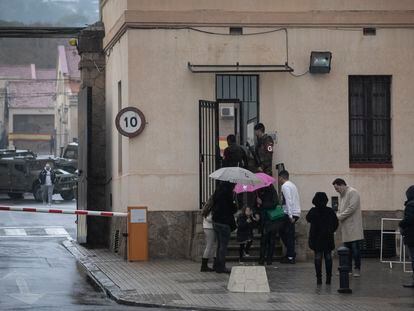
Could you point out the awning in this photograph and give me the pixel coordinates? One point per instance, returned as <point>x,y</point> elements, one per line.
<point>237,68</point>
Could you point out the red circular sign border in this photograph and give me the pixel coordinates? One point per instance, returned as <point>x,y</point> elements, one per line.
<point>140,129</point>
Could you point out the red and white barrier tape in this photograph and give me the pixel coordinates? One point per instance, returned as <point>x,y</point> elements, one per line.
<point>61,211</point>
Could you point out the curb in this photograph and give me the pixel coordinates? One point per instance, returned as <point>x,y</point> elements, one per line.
<point>112,291</point>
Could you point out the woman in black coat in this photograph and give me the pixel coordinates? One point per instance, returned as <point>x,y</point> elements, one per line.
<point>223,222</point>
<point>407,228</point>
<point>323,223</point>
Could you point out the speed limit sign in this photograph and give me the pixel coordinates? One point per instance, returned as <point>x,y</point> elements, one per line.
<point>130,121</point>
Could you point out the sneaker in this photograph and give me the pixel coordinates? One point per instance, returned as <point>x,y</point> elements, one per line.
<point>288,260</point>
<point>357,273</point>
<point>246,254</point>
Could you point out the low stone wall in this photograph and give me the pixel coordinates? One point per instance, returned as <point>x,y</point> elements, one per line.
<point>171,234</point>
<point>180,234</point>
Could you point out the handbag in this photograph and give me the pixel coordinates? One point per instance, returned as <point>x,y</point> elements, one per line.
<point>275,213</point>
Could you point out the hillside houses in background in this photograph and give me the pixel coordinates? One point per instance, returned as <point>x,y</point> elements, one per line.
<point>38,107</point>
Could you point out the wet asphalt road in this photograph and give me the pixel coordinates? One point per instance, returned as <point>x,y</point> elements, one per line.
<point>36,271</point>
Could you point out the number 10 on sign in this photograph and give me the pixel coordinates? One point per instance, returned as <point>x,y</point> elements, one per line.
<point>130,121</point>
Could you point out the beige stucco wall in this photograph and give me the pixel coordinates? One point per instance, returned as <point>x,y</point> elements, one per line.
<point>309,113</point>
<point>117,69</point>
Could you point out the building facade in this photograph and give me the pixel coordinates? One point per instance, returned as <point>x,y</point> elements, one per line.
<point>7,73</point>
<point>353,122</point>
<point>30,115</point>
<point>67,89</point>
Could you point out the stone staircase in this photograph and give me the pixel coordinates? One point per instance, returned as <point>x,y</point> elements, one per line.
<point>233,249</point>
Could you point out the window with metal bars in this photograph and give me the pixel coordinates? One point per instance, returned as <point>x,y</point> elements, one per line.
<point>370,120</point>
<point>246,89</point>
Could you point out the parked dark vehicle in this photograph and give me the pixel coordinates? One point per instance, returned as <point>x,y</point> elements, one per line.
<point>19,175</point>
<point>11,153</point>
<point>68,160</point>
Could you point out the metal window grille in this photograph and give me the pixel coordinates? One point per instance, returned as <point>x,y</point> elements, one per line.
<point>370,119</point>
<point>244,88</point>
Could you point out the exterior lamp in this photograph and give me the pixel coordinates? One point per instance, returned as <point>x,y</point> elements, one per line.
<point>320,62</point>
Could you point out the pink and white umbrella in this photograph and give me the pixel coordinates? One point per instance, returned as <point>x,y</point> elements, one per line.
<point>265,179</point>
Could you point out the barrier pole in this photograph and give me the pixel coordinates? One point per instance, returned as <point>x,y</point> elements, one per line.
<point>61,211</point>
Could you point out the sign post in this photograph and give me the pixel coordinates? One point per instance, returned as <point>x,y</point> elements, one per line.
<point>137,234</point>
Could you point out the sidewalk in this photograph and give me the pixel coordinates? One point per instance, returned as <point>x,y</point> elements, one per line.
<point>180,284</point>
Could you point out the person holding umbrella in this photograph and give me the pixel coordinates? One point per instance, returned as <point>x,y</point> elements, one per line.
<point>225,207</point>
<point>223,222</point>
<point>266,198</point>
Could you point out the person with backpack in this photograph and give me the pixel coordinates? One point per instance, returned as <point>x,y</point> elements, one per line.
<point>267,200</point>
<point>323,224</point>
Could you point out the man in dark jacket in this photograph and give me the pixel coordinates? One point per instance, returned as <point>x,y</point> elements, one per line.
<point>223,222</point>
<point>407,228</point>
<point>234,155</point>
<point>47,178</point>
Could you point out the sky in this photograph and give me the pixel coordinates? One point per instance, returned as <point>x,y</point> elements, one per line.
<point>52,12</point>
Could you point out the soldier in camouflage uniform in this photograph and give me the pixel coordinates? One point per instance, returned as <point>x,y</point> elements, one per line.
<point>263,149</point>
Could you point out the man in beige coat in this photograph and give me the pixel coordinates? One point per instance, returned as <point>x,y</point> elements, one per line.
<point>350,219</point>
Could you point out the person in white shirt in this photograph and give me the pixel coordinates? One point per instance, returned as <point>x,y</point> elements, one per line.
<point>47,179</point>
<point>291,207</point>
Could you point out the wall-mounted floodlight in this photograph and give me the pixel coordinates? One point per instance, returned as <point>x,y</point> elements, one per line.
<point>320,62</point>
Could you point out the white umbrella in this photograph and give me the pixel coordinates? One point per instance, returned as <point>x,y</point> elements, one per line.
<point>236,175</point>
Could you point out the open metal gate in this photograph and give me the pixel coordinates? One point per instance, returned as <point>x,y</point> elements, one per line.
<point>209,147</point>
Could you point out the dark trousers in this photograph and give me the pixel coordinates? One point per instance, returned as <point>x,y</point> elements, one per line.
<point>318,263</point>
<point>354,253</point>
<point>267,246</point>
<point>223,236</point>
<point>411,250</point>
<point>244,247</point>
<point>287,234</point>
